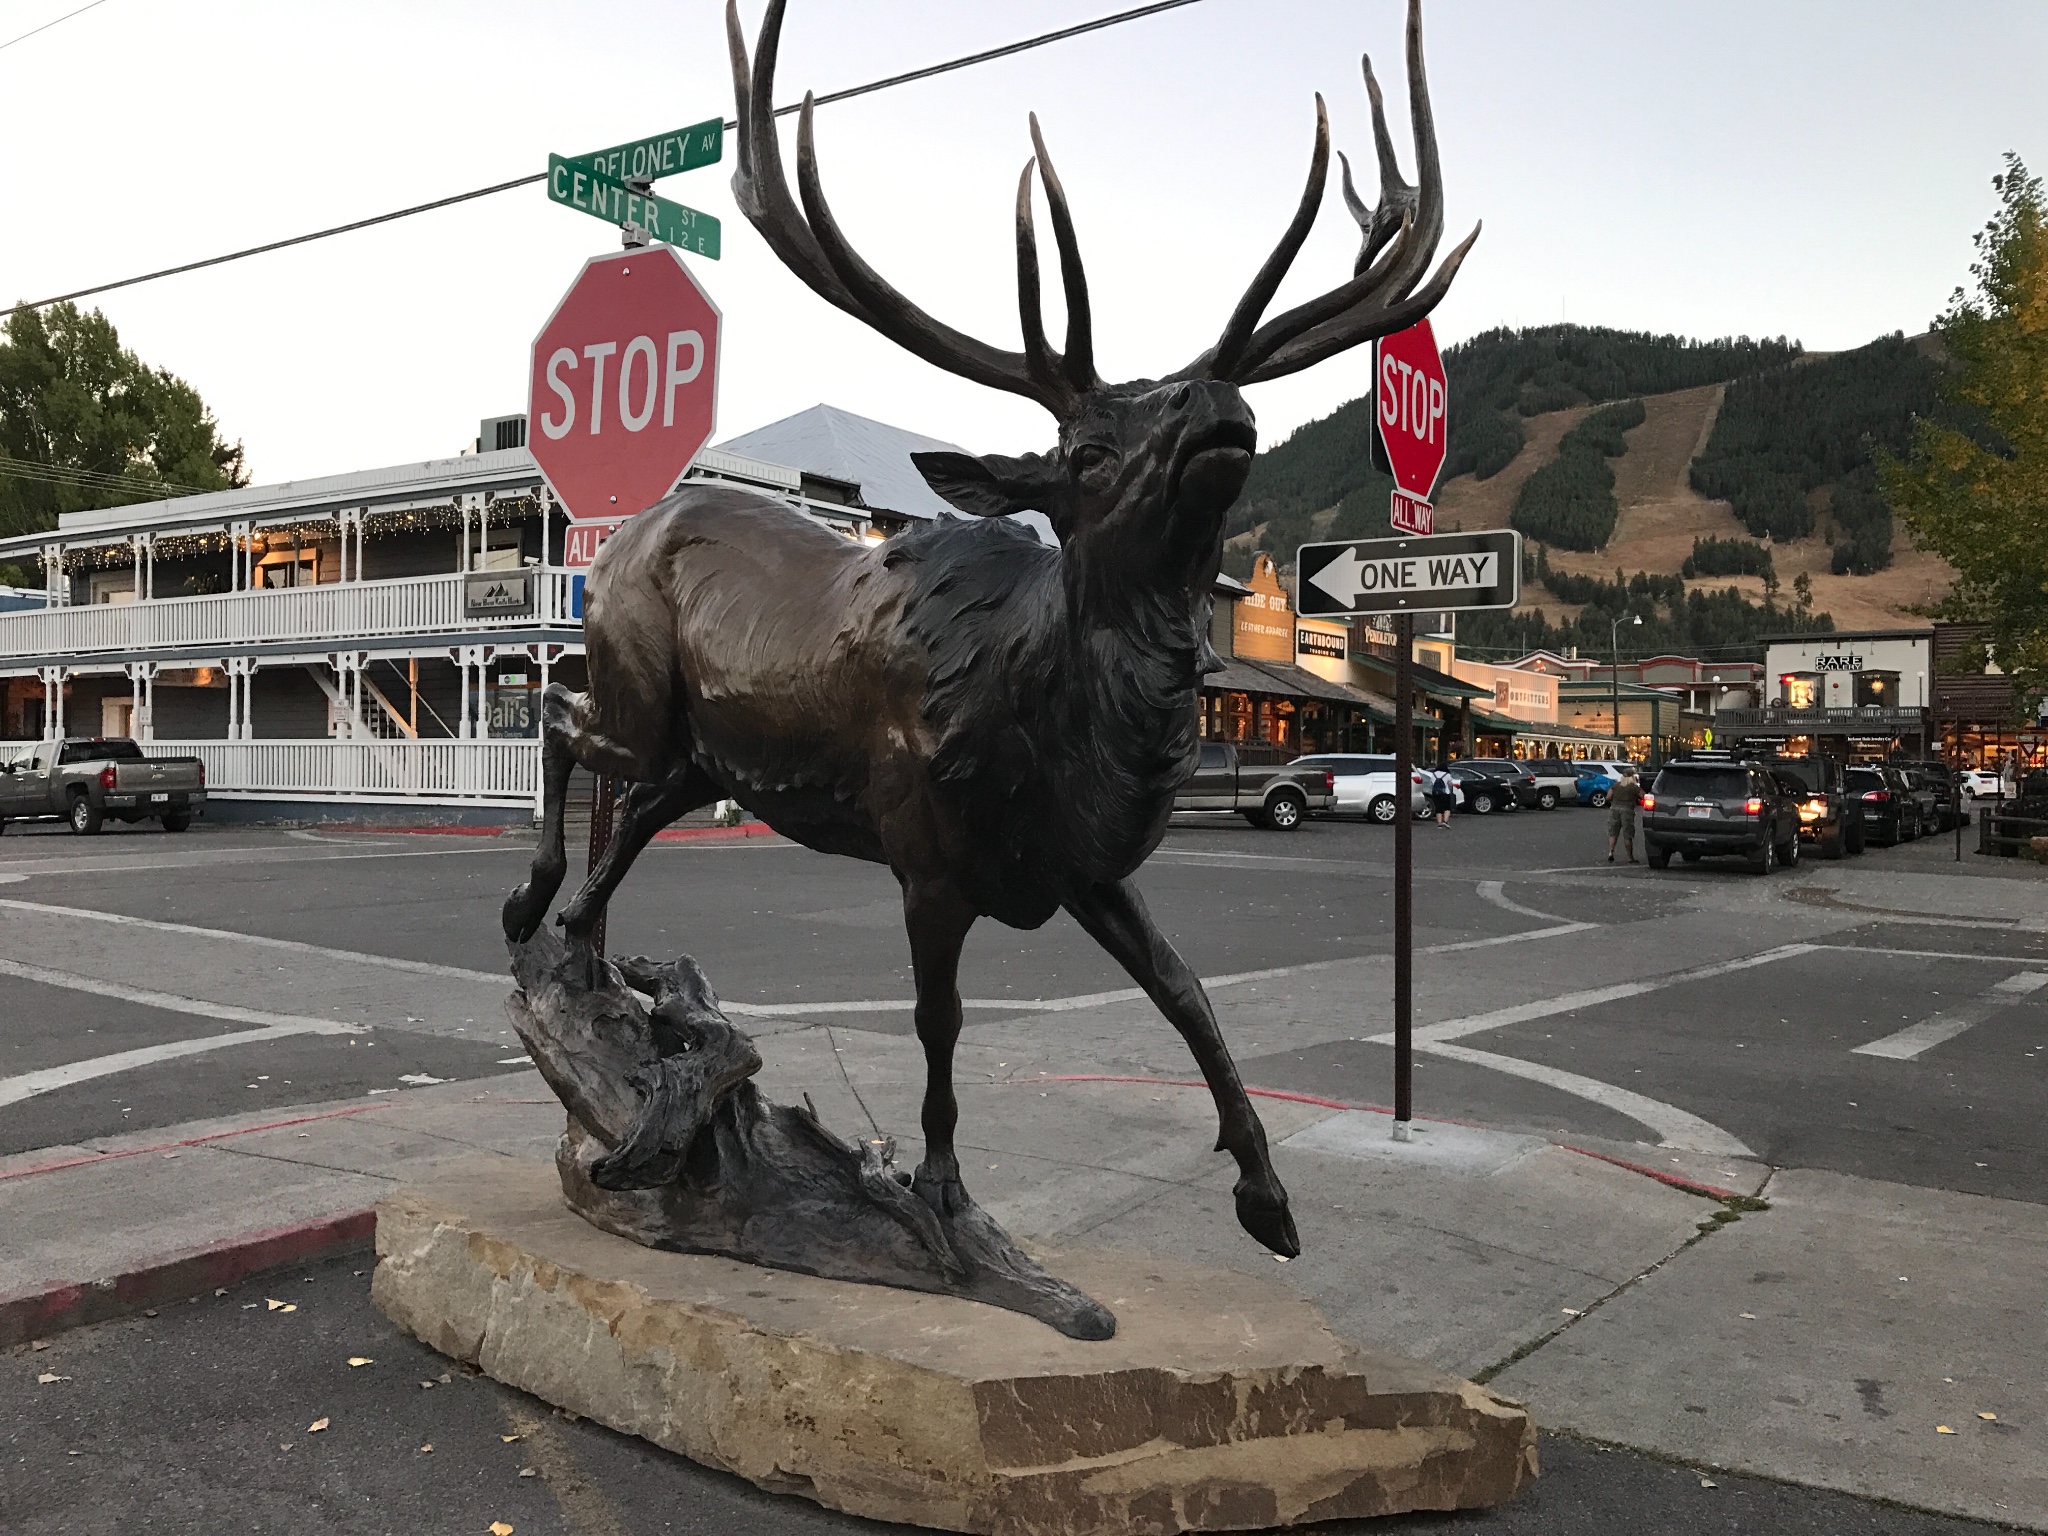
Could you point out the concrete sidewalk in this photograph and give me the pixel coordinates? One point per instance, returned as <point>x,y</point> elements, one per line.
<point>1614,1302</point>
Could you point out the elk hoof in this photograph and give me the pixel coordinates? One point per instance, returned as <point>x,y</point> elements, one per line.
<point>523,914</point>
<point>1262,1211</point>
<point>939,1186</point>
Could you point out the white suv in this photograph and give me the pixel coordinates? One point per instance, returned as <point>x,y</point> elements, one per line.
<point>1365,784</point>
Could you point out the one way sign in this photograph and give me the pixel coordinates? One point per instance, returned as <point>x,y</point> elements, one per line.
<point>1451,570</point>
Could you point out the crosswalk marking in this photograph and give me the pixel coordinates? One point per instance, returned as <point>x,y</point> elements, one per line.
<point>1915,1039</point>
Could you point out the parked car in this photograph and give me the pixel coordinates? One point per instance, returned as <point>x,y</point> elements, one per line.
<point>1888,809</point>
<point>1980,783</point>
<point>1481,793</point>
<point>88,780</point>
<point>1924,798</point>
<point>1708,806</point>
<point>1830,817</point>
<point>1275,797</point>
<point>1520,783</point>
<point>1557,780</point>
<point>1596,781</point>
<point>1939,779</point>
<point>1365,785</point>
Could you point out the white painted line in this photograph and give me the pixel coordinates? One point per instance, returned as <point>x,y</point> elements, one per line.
<point>1675,1128</point>
<point>1569,1002</point>
<point>1924,954</point>
<point>1916,1039</point>
<point>1507,938</point>
<point>271,1026</point>
<point>1495,892</point>
<point>387,962</point>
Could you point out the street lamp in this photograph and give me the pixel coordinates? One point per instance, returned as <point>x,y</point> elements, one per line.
<point>1614,677</point>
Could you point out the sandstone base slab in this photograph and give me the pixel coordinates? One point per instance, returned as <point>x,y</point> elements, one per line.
<point>1223,1403</point>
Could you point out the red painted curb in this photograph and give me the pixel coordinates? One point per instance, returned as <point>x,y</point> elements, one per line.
<point>38,1314</point>
<point>1675,1180</point>
<point>715,834</point>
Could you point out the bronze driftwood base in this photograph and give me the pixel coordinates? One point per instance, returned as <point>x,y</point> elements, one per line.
<point>671,1146</point>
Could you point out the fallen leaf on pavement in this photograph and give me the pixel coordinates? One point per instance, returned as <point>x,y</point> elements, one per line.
<point>426,1386</point>
<point>444,1378</point>
<point>1751,1316</point>
<point>272,1303</point>
<point>508,1439</point>
<point>1987,1416</point>
<point>290,1306</point>
<point>39,1345</point>
<point>529,1471</point>
<point>428,1448</point>
<point>49,1376</point>
<point>220,1291</point>
<point>360,1360</point>
<point>1708,1482</point>
<point>316,1426</point>
<point>1943,1429</point>
<point>500,1528</point>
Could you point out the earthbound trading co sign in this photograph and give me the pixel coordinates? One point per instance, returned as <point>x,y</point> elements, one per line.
<point>1332,644</point>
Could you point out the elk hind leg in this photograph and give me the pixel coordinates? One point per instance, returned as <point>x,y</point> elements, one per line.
<point>649,808</point>
<point>1114,914</point>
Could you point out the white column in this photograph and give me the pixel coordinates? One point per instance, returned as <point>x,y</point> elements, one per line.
<point>149,565</point>
<point>135,549</point>
<point>149,669</point>
<point>135,721</point>
<point>462,718</point>
<point>62,719</point>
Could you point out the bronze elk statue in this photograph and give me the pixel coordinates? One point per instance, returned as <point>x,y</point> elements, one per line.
<point>1002,723</point>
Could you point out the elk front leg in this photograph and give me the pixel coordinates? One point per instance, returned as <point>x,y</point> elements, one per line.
<point>528,904</point>
<point>1114,914</point>
<point>938,920</point>
<point>649,808</point>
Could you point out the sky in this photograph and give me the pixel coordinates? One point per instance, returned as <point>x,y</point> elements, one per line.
<point>1813,170</point>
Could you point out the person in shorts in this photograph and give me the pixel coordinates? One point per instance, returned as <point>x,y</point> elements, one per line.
<point>1622,801</point>
<point>1443,795</point>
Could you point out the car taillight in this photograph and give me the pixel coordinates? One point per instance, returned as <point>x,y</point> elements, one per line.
<point>1879,795</point>
<point>107,777</point>
<point>1649,802</point>
<point>1752,807</point>
<point>1329,782</point>
<point>202,775</point>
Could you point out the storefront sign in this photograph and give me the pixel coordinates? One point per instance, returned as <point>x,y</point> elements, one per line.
<point>1326,644</point>
<point>1840,663</point>
<point>497,594</point>
<point>1262,623</point>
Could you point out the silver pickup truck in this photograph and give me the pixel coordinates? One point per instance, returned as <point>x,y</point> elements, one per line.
<point>1272,797</point>
<point>86,780</point>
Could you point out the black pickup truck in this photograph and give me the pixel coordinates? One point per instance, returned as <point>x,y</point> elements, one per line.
<point>1276,798</point>
<point>89,780</point>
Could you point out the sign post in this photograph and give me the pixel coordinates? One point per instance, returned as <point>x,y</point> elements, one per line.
<point>1404,577</point>
<point>1411,422</point>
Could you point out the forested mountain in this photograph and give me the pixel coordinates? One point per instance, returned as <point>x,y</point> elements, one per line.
<point>1787,432</point>
<point>1496,378</point>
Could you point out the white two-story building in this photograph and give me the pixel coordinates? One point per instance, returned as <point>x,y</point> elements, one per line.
<point>373,639</point>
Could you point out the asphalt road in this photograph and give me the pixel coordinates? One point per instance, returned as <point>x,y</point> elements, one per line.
<point>200,1421</point>
<point>1768,1054</point>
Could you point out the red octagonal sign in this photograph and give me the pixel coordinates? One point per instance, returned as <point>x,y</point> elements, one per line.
<point>1411,396</point>
<point>624,387</point>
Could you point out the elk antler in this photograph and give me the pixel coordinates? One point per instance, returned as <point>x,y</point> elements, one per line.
<point>1402,232</point>
<point>810,243</point>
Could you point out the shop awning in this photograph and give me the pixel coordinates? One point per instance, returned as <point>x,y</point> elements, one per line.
<point>1485,722</point>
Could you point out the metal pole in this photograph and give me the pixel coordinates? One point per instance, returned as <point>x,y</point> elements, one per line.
<point>1614,680</point>
<point>601,805</point>
<point>1404,875</point>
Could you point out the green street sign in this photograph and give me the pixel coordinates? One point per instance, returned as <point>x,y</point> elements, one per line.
<point>663,155</point>
<point>574,186</point>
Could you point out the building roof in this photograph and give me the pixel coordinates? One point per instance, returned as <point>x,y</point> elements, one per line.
<point>1822,636</point>
<point>828,441</point>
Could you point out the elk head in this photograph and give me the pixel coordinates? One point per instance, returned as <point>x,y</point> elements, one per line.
<point>1144,472</point>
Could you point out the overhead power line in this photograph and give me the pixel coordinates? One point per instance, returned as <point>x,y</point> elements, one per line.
<point>32,31</point>
<point>906,78</point>
<point>89,479</point>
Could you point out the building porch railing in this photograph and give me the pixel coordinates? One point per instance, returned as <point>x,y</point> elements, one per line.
<point>333,613</point>
<point>1875,716</point>
<point>421,772</point>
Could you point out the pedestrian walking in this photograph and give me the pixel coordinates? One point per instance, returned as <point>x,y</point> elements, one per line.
<point>1622,801</point>
<point>2009,776</point>
<point>1443,794</point>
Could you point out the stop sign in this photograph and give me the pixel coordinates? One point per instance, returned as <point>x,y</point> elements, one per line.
<point>1411,394</point>
<point>624,387</point>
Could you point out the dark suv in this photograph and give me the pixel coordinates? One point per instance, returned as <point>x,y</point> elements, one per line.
<point>1942,780</point>
<point>1829,816</point>
<point>1889,810</point>
<point>1720,806</point>
<point>1520,782</point>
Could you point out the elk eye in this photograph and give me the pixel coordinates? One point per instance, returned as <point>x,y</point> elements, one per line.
<point>1093,460</point>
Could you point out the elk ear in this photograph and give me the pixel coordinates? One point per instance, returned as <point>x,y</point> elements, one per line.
<point>996,485</point>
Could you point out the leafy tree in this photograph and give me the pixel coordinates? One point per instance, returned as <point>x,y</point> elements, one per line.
<point>86,423</point>
<point>1975,490</point>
